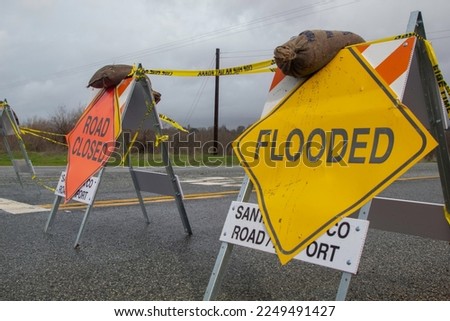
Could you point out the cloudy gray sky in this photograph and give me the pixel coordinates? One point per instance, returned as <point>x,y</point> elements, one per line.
<point>49,49</point>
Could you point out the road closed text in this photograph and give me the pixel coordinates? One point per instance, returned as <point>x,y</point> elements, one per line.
<point>91,144</point>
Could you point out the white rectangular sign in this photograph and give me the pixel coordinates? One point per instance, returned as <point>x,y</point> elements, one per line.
<point>84,195</point>
<point>339,248</point>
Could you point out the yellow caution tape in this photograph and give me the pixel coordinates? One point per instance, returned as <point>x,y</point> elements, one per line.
<point>133,71</point>
<point>172,122</point>
<point>138,73</point>
<point>130,145</point>
<point>160,139</point>
<point>390,38</point>
<point>41,131</point>
<point>257,67</point>
<point>17,132</point>
<point>444,89</point>
<point>39,182</point>
<point>36,133</point>
<point>258,71</point>
<point>13,125</point>
<point>447,215</point>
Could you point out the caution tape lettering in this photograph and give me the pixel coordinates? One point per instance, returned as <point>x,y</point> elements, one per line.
<point>443,87</point>
<point>258,67</point>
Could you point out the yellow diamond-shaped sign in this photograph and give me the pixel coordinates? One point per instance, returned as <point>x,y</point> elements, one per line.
<point>326,149</point>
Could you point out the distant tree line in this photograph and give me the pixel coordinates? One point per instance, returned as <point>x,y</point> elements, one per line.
<point>196,141</point>
<point>53,129</point>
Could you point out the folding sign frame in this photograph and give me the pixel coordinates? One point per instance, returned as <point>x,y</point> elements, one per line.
<point>425,102</point>
<point>10,127</point>
<point>139,113</point>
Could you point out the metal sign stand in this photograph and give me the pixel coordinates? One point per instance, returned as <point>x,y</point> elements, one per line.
<point>346,277</point>
<point>88,210</point>
<point>143,180</point>
<point>9,127</point>
<point>436,120</point>
<point>436,116</point>
<point>226,248</point>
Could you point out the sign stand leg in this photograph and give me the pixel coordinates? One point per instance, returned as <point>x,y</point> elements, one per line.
<point>51,216</point>
<point>224,255</point>
<point>218,272</point>
<point>27,159</point>
<point>11,157</point>
<point>165,155</point>
<point>437,118</point>
<point>87,212</point>
<point>126,142</point>
<point>20,142</point>
<point>139,195</point>
<point>14,128</point>
<point>346,276</point>
<point>433,105</point>
<point>177,190</point>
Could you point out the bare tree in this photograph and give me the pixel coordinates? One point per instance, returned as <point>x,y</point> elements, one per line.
<point>63,120</point>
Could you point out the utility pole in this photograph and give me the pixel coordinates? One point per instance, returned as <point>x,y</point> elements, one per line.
<point>216,104</point>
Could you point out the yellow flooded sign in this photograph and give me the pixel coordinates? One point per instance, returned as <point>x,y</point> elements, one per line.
<point>326,149</point>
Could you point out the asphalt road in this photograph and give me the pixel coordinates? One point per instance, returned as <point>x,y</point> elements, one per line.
<point>123,258</point>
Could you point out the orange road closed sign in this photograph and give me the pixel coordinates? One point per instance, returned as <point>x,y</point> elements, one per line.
<point>327,148</point>
<point>92,140</point>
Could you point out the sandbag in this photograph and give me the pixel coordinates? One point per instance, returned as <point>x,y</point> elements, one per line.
<point>156,95</point>
<point>311,50</point>
<point>112,75</point>
<point>109,76</point>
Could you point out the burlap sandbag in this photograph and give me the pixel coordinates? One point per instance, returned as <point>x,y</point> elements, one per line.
<point>311,50</point>
<point>156,95</point>
<point>112,75</point>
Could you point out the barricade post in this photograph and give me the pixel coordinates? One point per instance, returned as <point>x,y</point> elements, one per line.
<point>9,127</point>
<point>137,111</point>
<point>385,213</point>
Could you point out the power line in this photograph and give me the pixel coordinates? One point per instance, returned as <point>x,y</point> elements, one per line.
<point>247,56</point>
<point>244,51</point>
<point>199,94</point>
<point>285,15</point>
<point>437,38</point>
<point>438,31</point>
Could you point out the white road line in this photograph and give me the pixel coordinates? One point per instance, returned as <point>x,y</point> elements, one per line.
<point>216,181</point>
<point>14,207</point>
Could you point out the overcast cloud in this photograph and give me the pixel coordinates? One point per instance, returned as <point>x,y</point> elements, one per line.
<point>49,49</point>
